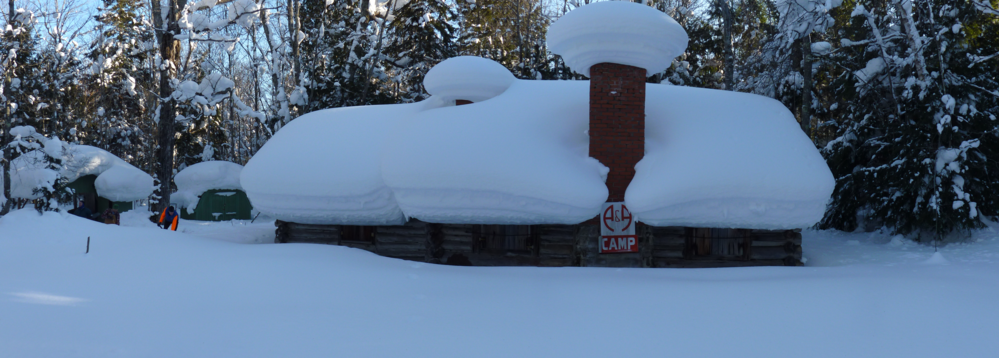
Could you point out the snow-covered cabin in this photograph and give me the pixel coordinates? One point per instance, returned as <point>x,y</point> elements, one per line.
<point>210,191</point>
<point>492,170</point>
<point>98,178</point>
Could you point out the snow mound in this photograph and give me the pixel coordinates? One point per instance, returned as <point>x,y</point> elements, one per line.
<point>28,172</point>
<point>617,32</point>
<point>199,178</point>
<point>936,259</point>
<point>745,164</point>
<point>470,78</point>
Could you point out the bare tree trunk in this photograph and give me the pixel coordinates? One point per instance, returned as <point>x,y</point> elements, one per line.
<point>264,21</point>
<point>806,88</point>
<point>6,138</point>
<point>378,51</point>
<point>170,53</point>
<point>295,26</point>
<point>727,44</point>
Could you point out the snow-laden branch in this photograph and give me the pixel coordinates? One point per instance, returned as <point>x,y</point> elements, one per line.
<point>985,7</point>
<point>975,59</point>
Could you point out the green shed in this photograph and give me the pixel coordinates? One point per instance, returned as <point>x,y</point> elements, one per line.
<point>86,191</point>
<point>220,205</point>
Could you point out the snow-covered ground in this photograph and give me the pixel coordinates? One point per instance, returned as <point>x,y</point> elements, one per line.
<point>220,290</point>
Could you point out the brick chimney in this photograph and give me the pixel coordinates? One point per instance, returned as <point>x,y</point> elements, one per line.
<point>617,122</point>
<point>618,44</point>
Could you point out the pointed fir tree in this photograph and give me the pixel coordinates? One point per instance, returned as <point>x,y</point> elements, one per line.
<point>914,153</point>
<point>121,80</point>
<point>422,35</point>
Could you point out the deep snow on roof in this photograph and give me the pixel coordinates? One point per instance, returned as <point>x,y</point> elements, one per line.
<point>521,158</point>
<point>116,179</point>
<point>201,177</point>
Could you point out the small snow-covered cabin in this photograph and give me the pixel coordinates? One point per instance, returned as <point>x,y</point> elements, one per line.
<point>101,179</point>
<point>491,170</point>
<point>98,178</point>
<point>210,191</point>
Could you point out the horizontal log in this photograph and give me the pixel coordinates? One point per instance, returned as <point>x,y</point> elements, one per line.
<point>556,250</point>
<point>773,253</point>
<point>667,243</point>
<point>668,253</point>
<point>308,236</point>
<point>775,243</point>
<point>394,239</point>
<point>462,230</point>
<point>402,231</point>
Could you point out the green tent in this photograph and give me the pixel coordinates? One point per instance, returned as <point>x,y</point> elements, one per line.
<point>220,205</point>
<point>87,192</point>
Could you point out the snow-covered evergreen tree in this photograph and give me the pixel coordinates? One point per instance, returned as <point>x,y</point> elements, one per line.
<point>422,35</point>
<point>920,119</point>
<point>121,79</point>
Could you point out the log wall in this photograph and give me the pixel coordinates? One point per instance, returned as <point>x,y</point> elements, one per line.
<point>553,245</point>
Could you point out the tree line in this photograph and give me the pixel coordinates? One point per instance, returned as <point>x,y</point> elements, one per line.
<point>900,96</point>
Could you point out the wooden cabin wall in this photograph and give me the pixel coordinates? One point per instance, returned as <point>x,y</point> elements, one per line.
<point>552,245</point>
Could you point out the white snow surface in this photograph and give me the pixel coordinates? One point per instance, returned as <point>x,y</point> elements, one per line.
<point>619,32</point>
<point>116,179</point>
<point>201,177</point>
<point>211,290</point>
<point>522,158</point>
<point>28,172</point>
<point>519,158</point>
<point>470,78</point>
<point>744,164</point>
<point>325,168</point>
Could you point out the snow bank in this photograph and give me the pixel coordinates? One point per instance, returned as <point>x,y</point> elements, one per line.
<point>617,32</point>
<point>199,178</point>
<point>147,292</point>
<point>467,77</point>
<point>745,164</point>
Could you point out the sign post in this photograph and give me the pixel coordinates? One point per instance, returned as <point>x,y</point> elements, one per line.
<point>617,229</point>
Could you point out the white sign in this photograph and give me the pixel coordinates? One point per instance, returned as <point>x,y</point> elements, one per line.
<point>617,229</point>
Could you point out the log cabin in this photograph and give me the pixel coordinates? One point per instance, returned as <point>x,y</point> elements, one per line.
<point>610,172</point>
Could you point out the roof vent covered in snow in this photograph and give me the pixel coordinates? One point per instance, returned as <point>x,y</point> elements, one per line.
<point>467,78</point>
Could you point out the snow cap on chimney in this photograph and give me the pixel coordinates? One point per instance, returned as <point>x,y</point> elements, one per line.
<point>467,78</point>
<point>618,32</point>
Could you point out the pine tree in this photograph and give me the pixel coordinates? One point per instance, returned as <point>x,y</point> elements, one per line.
<point>422,35</point>
<point>914,154</point>
<point>120,80</point>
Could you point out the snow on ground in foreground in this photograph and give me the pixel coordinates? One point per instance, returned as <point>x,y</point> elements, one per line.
<point>146,292</point>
